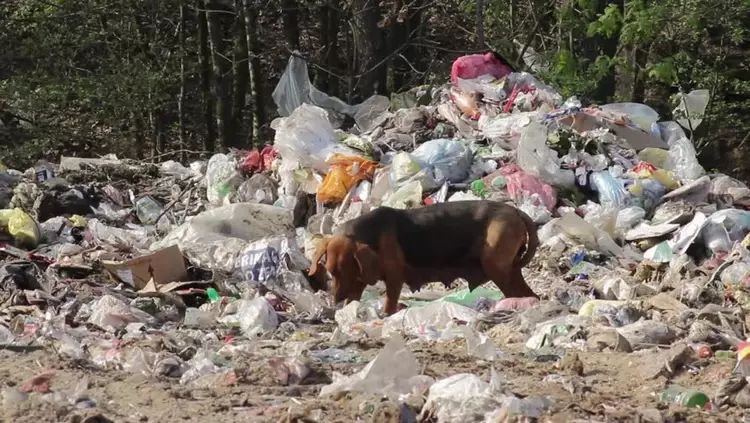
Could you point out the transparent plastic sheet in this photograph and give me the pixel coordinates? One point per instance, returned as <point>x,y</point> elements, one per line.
<point>215,238</point>
<point>428,321</point>
<point>506,129</point>
<point>683,161</point>
<point>222,179</point>
<point>307,137</point>
<point>611,190</point>
<point>639,114</point>
<point>393,372</point>
<point>724,228</point>
<point>294,89</point>
<point>690,108</point>
<point>536,158</point>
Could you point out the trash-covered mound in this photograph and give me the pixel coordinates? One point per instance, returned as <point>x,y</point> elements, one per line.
<point>156,292</point>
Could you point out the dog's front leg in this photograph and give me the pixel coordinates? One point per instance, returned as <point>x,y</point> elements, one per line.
<point>392,263</point>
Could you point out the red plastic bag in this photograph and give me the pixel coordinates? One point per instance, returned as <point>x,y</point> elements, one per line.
<point>474,65</point>
<point>258,161</point>
<point>521,185</point>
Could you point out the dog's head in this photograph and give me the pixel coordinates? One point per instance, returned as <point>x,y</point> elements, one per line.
<point>357,267</point>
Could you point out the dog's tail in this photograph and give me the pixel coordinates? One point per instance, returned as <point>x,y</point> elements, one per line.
<point>532,242</point>
<point>319,253</point>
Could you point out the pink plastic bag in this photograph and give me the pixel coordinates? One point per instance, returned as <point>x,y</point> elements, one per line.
<point>474,65</point>
<point>258,161</point>
<point>522,185</point>
<point>515,304</point>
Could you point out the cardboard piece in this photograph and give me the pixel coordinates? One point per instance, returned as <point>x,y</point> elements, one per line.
<point>163,266</point>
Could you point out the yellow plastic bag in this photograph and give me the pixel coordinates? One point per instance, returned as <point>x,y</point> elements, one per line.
<point>22,227</point>
<point>344,173</point>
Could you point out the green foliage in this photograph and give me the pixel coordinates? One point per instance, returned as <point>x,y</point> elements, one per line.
<point>608,24</point>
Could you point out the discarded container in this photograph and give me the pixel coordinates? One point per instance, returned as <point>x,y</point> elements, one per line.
<point>474,65</point>
<point>148,210</point>
<point>692,398</point>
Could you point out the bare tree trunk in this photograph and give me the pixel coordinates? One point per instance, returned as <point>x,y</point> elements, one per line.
<point>183,82</point>
<point>480,23</point>
<point>139,135</point>
<point>240,70</point>
<point>330,20</point>
<point>370,48</point>
<point>290,18</point>
<point>209,103</point>
<point>256,83</point>
<point>219,88</point>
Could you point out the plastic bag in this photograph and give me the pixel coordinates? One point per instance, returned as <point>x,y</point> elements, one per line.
<point>307,137</point>
<point>222,179</point>
<point>110,313</point>
<point>628,217</point>
<point>683,161</point>
<point>408,196</point>
<point>392,373</point>
<point>691,108</point>
<point>294,89</point>
<point>539,160</point>
<point>262,260</point>
<point>640,114</point>
<point>345,172</point>
<point>735,274</point>
<point>447,160</point>
<point>256,316</point>
<point>522,185</point>
<point>258,189</point>
<point>22,227</point>
<point>611,191</point>
<point>215,238</point>
<point>457,397</point>
<point>506,129</point>
<point>429,321</point>
<point>725,227</point>
<point>475,65</point>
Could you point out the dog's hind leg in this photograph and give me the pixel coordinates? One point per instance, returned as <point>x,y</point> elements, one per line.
<point>393,265</point>
<point>502,244</point>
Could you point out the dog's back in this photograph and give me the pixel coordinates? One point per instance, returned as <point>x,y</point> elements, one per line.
<point>446,234</point>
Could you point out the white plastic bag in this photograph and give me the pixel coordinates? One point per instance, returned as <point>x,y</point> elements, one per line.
<point>539,160</point>
<point>683,160</point>
<point>611,191</point>
<point>222,179</point>
<point>641,115</point>
<point>307,137</point>
<point>256,316</point>
<point>628,217</point>
<point>294,89</point>
<point>447,160</point>
<point>392,373</point>
<point>691,108</point>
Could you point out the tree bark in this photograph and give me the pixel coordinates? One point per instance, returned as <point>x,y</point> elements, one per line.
<point>204,60</point>
<point>480,24</point>
<point>219,65</point>
<point>290,19</point>
<point>370,48</point>
<point>240,70</point>
<point>256,83</point>
<point>183,81</point>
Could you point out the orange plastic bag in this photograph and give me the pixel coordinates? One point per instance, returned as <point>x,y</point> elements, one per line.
<point>344,173</point>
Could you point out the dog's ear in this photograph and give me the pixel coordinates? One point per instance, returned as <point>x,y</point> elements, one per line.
<point>368,263</point>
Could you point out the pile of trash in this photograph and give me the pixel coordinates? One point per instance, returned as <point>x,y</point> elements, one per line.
<point>643,251</point>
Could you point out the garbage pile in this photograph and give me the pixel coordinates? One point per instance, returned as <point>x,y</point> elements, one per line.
<point>197,274</point>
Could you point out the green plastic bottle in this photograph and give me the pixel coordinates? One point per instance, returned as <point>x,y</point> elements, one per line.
<point>687,397</point>
<point>213,295</point>
<point>479,188</point>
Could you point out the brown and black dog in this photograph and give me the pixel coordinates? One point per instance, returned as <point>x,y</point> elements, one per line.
<point>474,240</point>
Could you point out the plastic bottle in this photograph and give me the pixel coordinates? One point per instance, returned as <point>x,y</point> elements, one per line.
<point>148,210</point>
<point>677,394</point>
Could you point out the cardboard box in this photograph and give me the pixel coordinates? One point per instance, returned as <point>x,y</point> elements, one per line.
<point>163,266</point>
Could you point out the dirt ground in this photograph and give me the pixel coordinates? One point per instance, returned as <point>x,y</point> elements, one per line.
<point>610,387</point>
